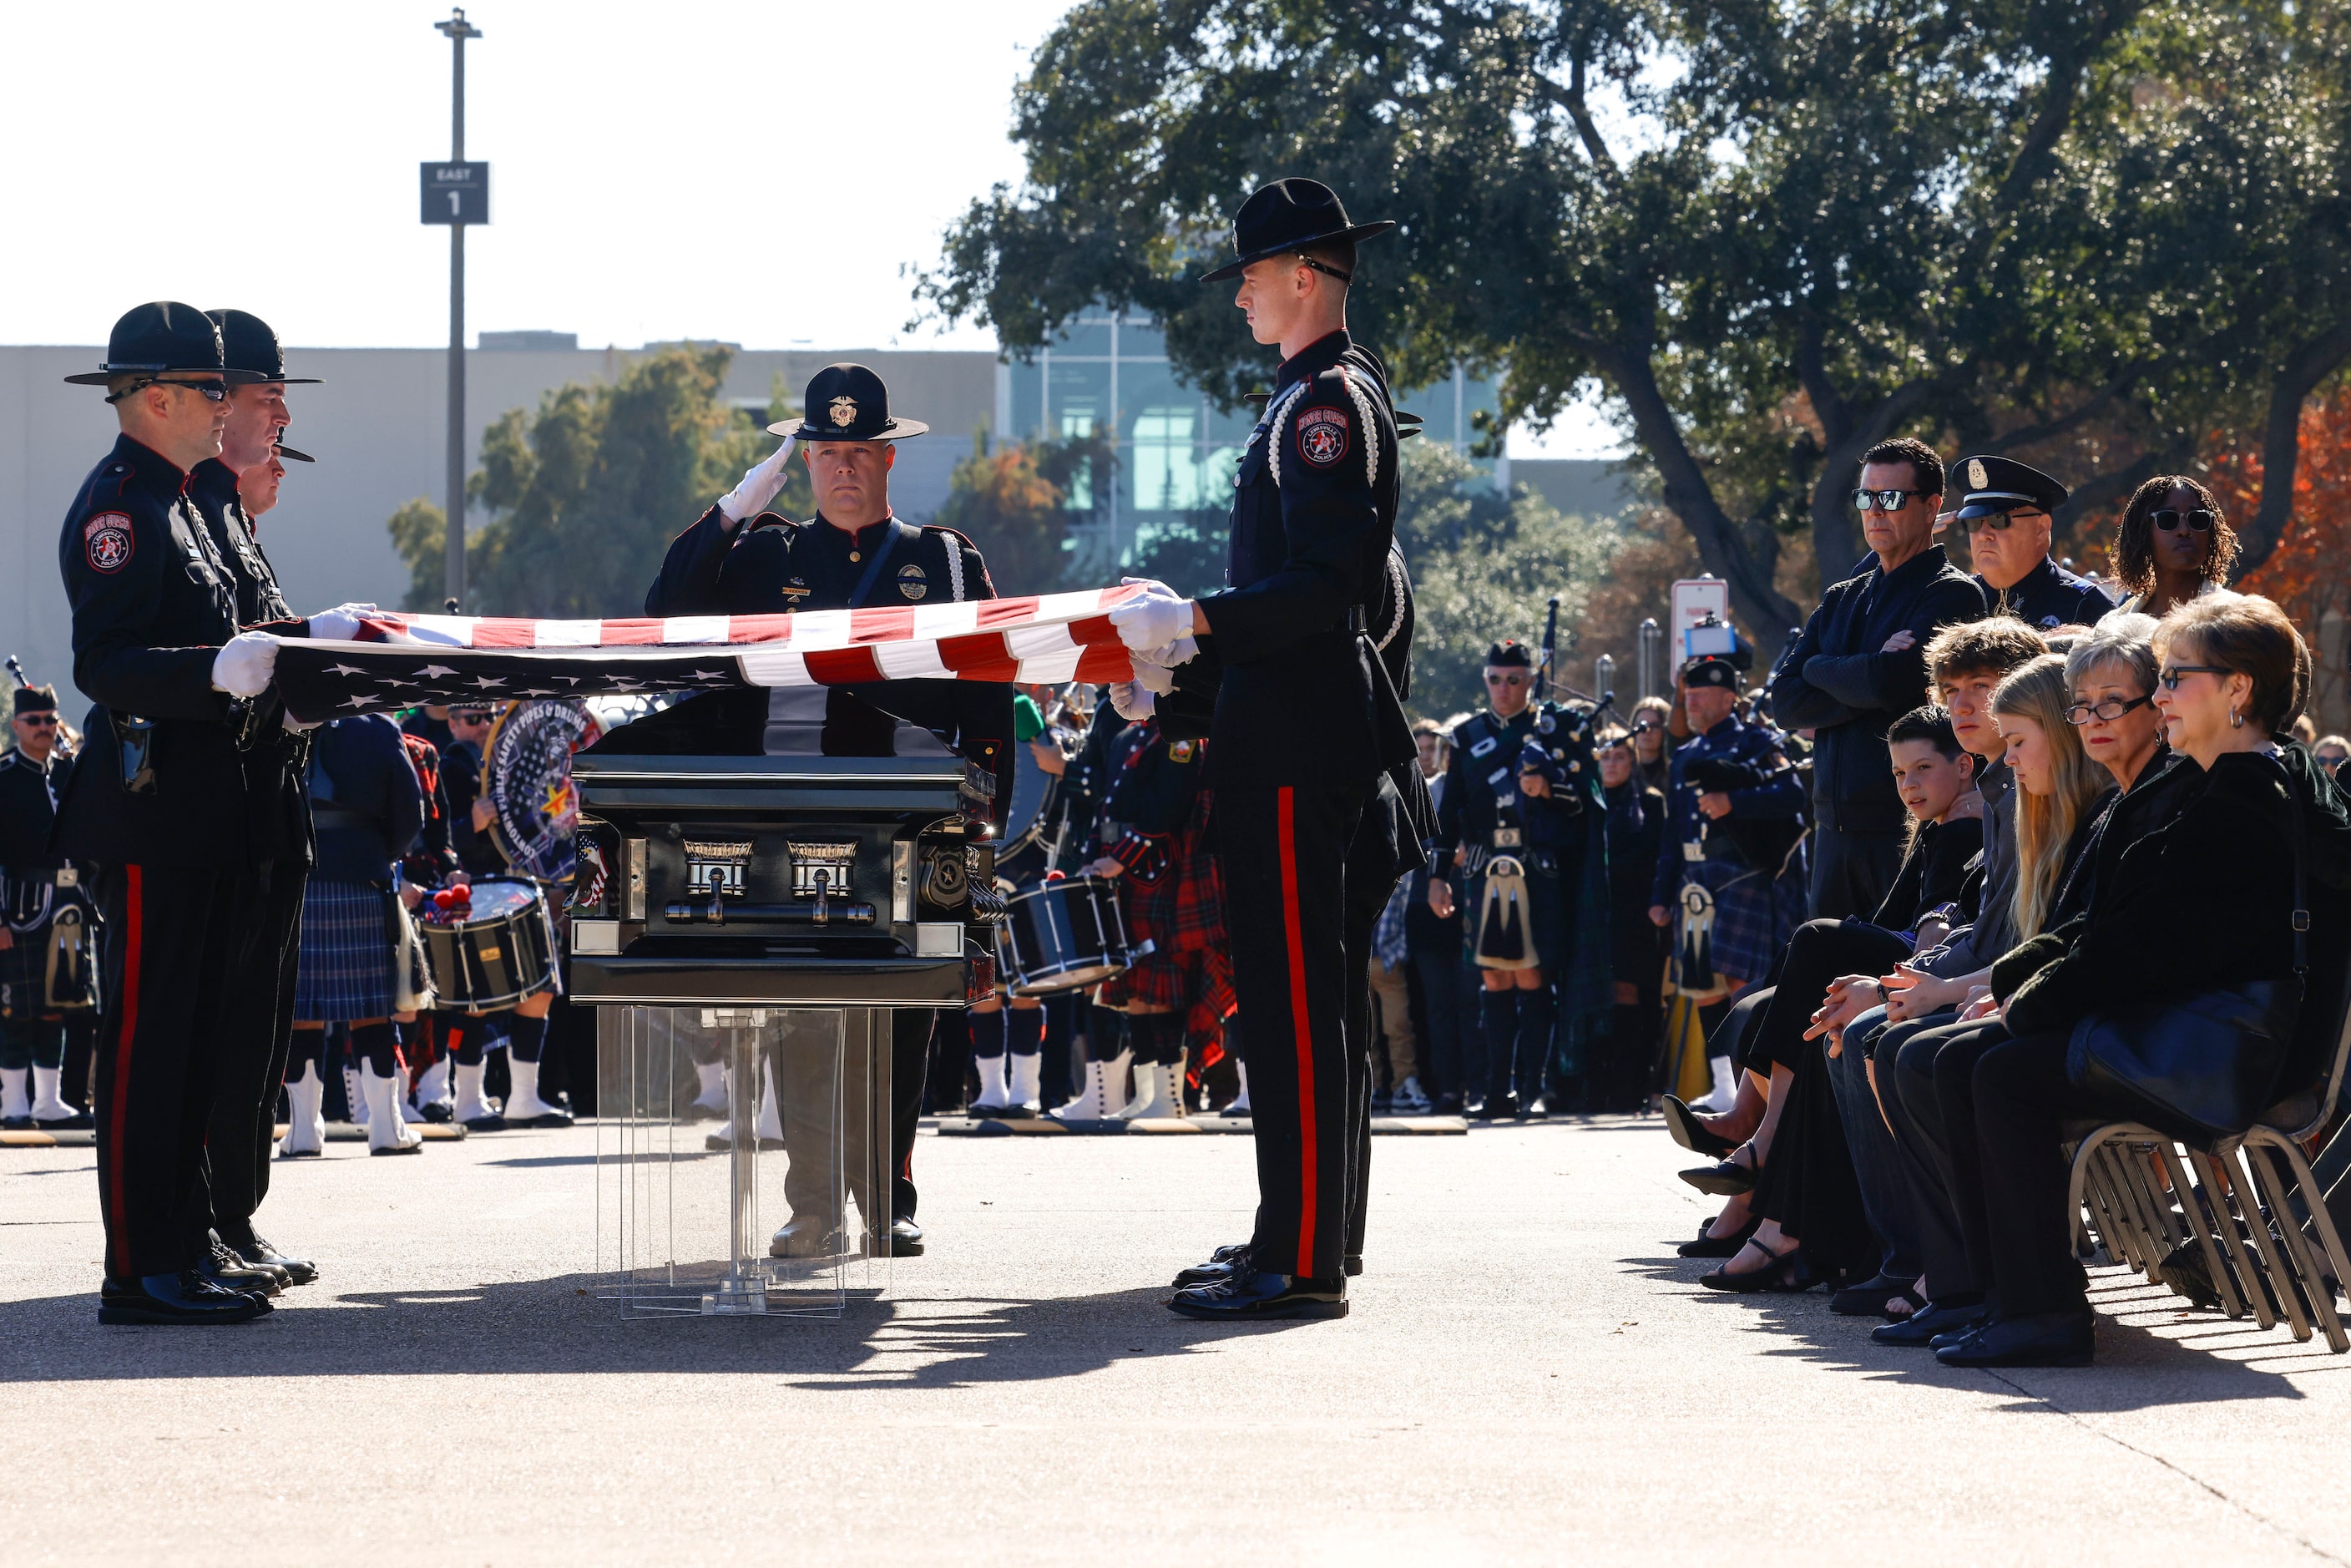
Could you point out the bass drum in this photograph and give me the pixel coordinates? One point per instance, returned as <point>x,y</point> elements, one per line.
<point>494,954</point>
<point>1064,934</point>
<point>1033,789</point>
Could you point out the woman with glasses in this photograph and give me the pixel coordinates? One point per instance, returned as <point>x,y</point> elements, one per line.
<point>2204,902</point>
<point>2174,545</point>
<point>1652,719</point>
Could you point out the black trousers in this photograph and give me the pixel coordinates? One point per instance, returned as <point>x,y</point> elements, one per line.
<point>1284,853</point>
<point>910,1071</point>
<point>1820,952</point>
<point>257,1030</point>
<point>174,935</point>
<point>1372,876</point>
<point>1933,1074</point>
<point>2020,1095</point>
<point>1852,872</point>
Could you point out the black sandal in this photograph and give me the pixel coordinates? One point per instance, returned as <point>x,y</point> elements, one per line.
<point>1771,1277</point>
<point>1729,1178</point>
<point>1683,1124</point>
<point>1910,1293</point>
<point>1719,1245</point>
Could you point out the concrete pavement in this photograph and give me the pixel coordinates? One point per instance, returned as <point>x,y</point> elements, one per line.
<point>1529,1373</point>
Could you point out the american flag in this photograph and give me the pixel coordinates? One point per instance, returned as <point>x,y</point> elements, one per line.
<point>401,661</point>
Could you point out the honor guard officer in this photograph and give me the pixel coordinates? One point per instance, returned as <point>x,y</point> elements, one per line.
<point>1296,783</point>
<point>740,559</point>
<point>48,944</point>
<point>158,798</point>
<point>2005,514</point>
<point>258,1029</point>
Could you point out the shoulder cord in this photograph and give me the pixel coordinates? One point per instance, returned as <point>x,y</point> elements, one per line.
<point>1363,402</point>
<point>1395,597</point>
<point>1273,418</point>
<point>955,569</point>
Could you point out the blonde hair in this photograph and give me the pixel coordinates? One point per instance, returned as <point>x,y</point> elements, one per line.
<point>2038,690</point>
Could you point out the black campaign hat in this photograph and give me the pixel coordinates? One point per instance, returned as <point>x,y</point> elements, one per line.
<point>1997,485</point>
<point>1289,216</point>
<point>249,344</point>
<point>1711,670</point>
<point>847,402</point>
<point>165,335</point>
<point>33,699</point>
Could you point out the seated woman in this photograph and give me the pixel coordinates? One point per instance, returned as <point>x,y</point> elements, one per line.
<point>2233,674</point>
<point>1814,1195</point>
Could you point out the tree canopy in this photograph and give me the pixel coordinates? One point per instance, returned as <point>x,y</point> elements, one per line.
<point>2083,231</point>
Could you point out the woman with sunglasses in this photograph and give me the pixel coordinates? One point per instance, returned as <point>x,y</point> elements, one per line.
<point>1653,719</point>
<point>2174,545</point>
<point>2207,900</point>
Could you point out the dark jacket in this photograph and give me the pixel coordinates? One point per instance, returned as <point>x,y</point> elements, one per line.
<point>1152,794</point>
<point>1837,681</point>
<point>152,604</point>
<point>2048,597</point>
<point>461,782</point>
<point>364,797</point>
<point>1933,871</point>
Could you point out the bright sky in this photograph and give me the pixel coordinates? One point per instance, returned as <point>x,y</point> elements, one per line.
<point>752,172</point>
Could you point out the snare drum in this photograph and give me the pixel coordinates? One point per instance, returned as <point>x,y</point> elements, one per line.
<point>494,954</point>
<point>1064,934</point>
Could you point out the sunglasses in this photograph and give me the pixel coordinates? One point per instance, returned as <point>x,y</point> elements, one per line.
<point>1506,680</point>
<point>2201,520</point>
<point>211,392</point>
<point>2109,710</point>
<point>1883,500</point>
<point>2172,673</point>
<point>38,720</point>
<point>1998,521</point>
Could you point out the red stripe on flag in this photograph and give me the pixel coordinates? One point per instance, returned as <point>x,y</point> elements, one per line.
<point>1105,662</point>
<point>118,1114</point>
<point>975,651</point>
<point>758,628</point>
<point>505,633</point>
<point>883,623</point>
<point>636,632</point>
<point>1303,1027</point>
<point>842,666</point>
<point>995,614</point>
<point>1093,629</point>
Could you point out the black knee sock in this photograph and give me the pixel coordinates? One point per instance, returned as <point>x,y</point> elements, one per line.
<point>376,1045</point>
<point>988,1031</point>
<point>1024,1030</point>
<point>1497,1019</point>
<point>32,1043</point>
<point>309,1047</point>
<point>1157,1038</point>
<point>461,1037</point>
<point>1105,1033</point>
<point>1538,1010</point>
<point>525,1038</point>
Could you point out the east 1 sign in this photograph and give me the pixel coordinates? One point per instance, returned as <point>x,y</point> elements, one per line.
<point>455,193</point>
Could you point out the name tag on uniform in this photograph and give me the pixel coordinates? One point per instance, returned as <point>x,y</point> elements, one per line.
<point>1482,747</point>
<point>1496,776</point>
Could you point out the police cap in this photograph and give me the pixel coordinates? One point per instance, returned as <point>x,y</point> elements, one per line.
<point>1996,484</point>
<point>1509,656</point>
<point>847,402</point>
<point>164,336</point>
<point>249,344</point>
<point>1288,217</point>
<point>1711,670</point>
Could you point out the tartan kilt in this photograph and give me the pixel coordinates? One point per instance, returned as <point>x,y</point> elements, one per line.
<point>24,973</point>
<point>1754,916</point>
<point>344,972</point>
<point>1189,967</point>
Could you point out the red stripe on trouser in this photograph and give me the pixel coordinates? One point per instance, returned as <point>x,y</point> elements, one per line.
<point>1303,1027</point>
<point>126,1024</point>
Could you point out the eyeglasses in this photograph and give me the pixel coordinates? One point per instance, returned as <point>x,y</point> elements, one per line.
<point>2201,520</point>
<point>1996,520</point>
<point>38,720</point>
<point>211,392</point>
<point>1883,500</point>
<point>2171,676</point>
<point>2111,709</point>
<point>1506,680</point>
<point>1647,727</point>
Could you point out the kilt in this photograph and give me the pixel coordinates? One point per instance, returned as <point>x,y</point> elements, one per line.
<point>1189,968</point>
<point>344,972</point>
<point>24,973</point>
<point>1754,916</point>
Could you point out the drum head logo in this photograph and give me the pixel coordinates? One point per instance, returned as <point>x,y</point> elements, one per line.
<point>822,866</point>
<point>716,866</point>
<point>1322,436</point>
<point>911,582</point>
<point>526,775</point>
<point>844,411</point>
<point>106,539</point>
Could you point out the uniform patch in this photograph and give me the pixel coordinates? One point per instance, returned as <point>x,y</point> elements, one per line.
<point>1322,437</point>
<point>105,541</point>
<point>1179,751</point>
<point>911,582</point>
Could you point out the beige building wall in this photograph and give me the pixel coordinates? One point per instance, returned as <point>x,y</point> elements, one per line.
<point>377,427</point>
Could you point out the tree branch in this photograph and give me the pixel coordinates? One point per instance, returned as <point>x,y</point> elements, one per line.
<point>1570,98</point>
<point>2064,424</point>
<point>1836,528</point>
<point>2310,363</point>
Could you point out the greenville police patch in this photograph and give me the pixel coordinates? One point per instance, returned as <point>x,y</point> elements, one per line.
<point>105,541</point>
<point>1322,437</point>
<point>911,582</point>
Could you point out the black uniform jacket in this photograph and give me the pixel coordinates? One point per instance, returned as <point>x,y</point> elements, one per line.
<point>152,604</point>
<point>2048,596</point>
<point>770,566</point>
<point>1934,871</point>
<point>1309,700</point>
<point>1481,788</point>
<point>1158,781</point>
<point>28,796</point>
<point>278,811</point>
<point>1840,683</point>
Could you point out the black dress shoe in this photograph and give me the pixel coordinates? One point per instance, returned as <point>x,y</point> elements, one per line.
<point>1474,1109</point>
<point>1255,1295</point>
<point>1868,1299</point>
<point>491,1124</point>
<point>435,1111</point>
<point>1782,1272</point>
<point>1683,1126</point>
<point>1502,1107</point>
<point>185,1298</point>
<point>225,1269</point>
<point>80,1122</point>
<point>1351,1264</point>
<point>1725,1179</point>
<point>1535,1109</point>
<point>2038,1338</point>
<point>1920,1328</point>
<point>905,1238</point>
<point>262,1255</point>
<point>1220,1265</point>
<point>1720,1246</point>
<point>16,1123</point>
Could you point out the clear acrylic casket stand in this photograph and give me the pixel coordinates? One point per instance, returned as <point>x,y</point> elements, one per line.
<point>778,1205</point>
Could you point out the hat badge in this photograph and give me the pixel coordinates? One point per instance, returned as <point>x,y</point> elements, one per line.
<point>1977,478</point>
<point>843,411</point>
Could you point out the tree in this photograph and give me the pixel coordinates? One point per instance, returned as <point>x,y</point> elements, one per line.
<point>1773,234</point>
<point>2304,572</point>
<point>419,531</point>
<point>1013,500</point>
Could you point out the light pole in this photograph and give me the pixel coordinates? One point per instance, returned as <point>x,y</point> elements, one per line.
<point>459,30</point>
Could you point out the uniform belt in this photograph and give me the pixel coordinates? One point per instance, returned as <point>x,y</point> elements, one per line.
<point>326,816</point>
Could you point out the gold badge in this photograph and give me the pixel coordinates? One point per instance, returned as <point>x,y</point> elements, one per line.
<point>1180,751</point>
<point>1977,478</point>
<point>844,410</point>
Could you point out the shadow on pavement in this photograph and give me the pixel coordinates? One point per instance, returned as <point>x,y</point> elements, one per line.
<point>557,1326</point>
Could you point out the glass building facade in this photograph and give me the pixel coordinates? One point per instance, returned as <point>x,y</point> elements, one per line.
<point>1173,454</point>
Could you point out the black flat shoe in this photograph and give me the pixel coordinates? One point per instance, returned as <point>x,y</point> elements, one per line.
<point>1535,1109</point>
<point>1868,1299</point>
<point>905,1238</point>
<point>1727,1179</point>
<point>80,1122</point>
<point>1256,1296</point>
<point>1920,1329</point>
<point>184,1300</point>
<point>1221,1265</point>
<point>484,1124</point>
<point>1683,1126</point>
<point>1778,1274</point>
<point>2041,1339</point>
<point>1719,1245</point>
<point>226,1269</point>
<point>262,1255</point>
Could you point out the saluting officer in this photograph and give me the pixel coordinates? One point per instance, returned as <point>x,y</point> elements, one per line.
<point>36,887</point>
<point>2005,514</point>
<point>259,1025</point>
<point>740,559</point>
<point>1296,784</point>
<point>159,799</point>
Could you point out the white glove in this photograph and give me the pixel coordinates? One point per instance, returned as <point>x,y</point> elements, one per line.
<point>1132,702</point>
<point>1151,587</point>
<point>760,483</point>
<point>243,667</point>
<point>342,623</point>
<point>1152,622</point>
<point>1155,678</point>
<point>1180,652</point>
